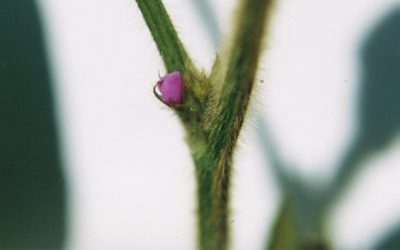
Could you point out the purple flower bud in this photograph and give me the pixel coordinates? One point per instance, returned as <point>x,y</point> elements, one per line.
<point>171,88</point>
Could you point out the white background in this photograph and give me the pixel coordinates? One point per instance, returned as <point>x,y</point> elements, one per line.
<point>130,174</point>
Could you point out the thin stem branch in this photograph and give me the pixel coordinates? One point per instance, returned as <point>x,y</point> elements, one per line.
<point>231,109</point>
<point>176,58</point>
<point>239,79</point>
<point>164,34</point>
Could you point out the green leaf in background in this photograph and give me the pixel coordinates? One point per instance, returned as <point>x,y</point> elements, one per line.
<point>32,188</point>
<point>390,241</point>
<point>379,99</point>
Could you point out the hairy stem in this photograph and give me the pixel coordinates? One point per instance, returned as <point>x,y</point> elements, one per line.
<point>231,108</point>
<point>213,127</point>
<point>239,78</point>
<point>164,34</point>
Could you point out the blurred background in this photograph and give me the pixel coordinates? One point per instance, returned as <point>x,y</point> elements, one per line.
<point>89,159</point>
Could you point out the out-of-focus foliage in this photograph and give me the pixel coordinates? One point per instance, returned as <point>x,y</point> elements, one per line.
<point>391,241</point>
<point>32,188</point>
<point>379,109</point>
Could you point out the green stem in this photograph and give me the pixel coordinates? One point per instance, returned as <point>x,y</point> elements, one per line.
<point>239,78</point>
<point>164,34</point>
<point>176,58</point>
<point>214,176</point>
<point>213,116</point>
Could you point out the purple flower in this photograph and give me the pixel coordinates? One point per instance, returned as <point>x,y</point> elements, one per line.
<point>171,88</point>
